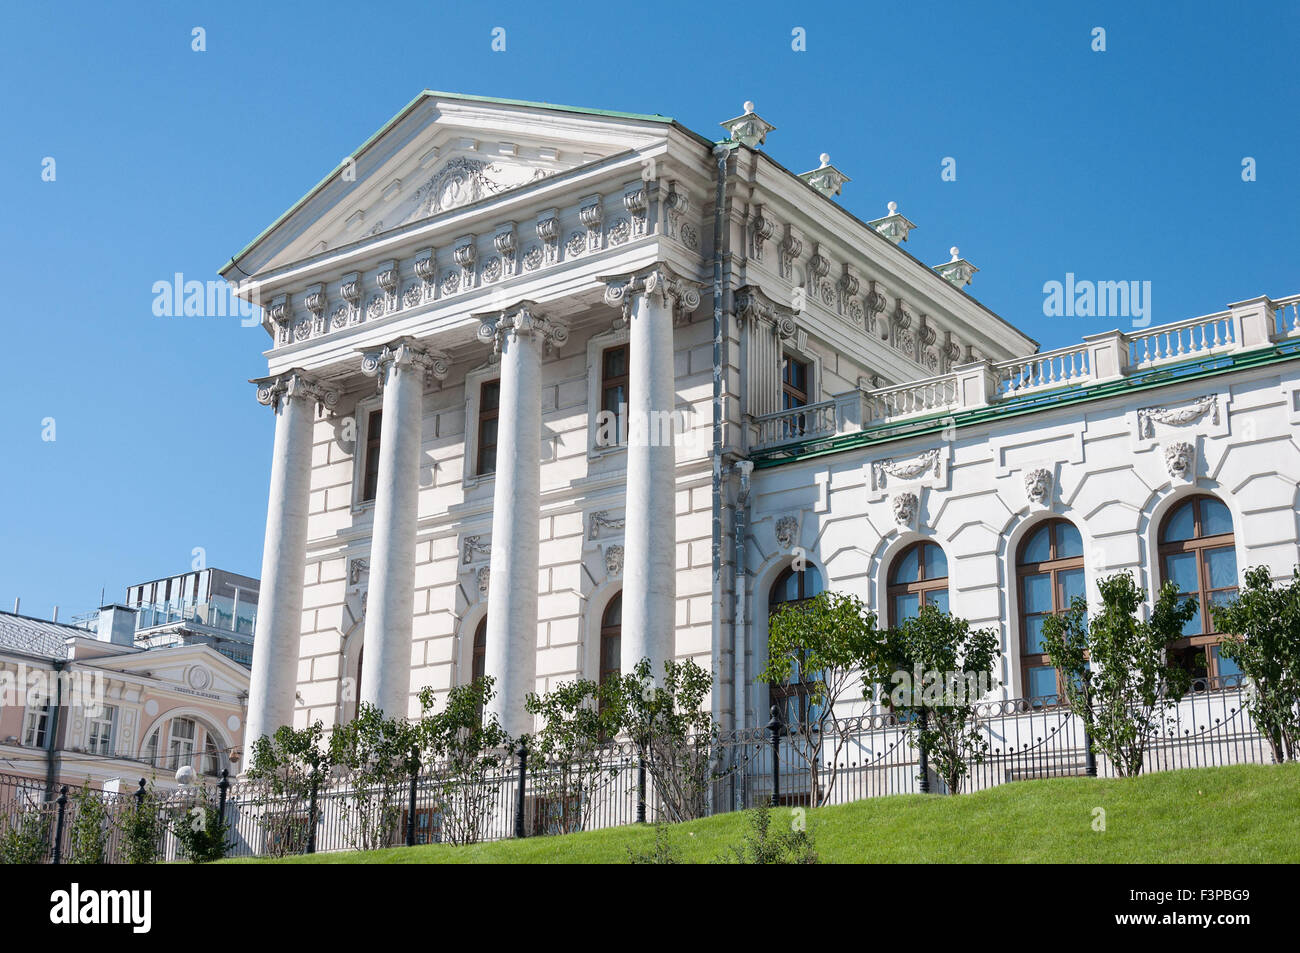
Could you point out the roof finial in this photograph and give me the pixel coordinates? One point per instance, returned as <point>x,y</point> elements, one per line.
<point>826,159</point>
<point>893,226</point>
<point>826,179</point>
<point>748,129</point>
<point>893,208</point>
<point>956,255</point>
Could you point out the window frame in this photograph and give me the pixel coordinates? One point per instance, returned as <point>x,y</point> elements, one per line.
<point>1053,566</point>
<point>778,694</point>
<point>484,415</point>
<point>1198,545</point>
<point>921,586</point>
<point>370,450</point>
<point>98,744</point>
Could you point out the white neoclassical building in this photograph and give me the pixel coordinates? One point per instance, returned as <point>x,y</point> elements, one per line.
<point>557,389</point>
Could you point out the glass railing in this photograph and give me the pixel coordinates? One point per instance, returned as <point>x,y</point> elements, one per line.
<point>220,613</point>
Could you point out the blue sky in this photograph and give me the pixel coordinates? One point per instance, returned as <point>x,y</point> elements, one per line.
<point>1117,165</point>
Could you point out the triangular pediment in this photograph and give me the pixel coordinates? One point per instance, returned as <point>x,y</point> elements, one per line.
<point>439,154</point>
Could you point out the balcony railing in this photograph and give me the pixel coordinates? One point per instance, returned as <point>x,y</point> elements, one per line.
<point>219,613</point>
<point>1101,357</point>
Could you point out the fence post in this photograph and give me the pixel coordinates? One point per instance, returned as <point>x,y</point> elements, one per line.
<point>410,802</point>
<point>923,756</point>
<point>139,794</point>
<point>522,754</point>
<point>311,811</point>
<point>58,828</point>
<point>640,787</point>
<point>1089,758</point>
<point>223,787</point>
<point>774,726</point>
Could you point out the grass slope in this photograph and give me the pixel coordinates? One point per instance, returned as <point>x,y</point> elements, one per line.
<point>1243,814</point>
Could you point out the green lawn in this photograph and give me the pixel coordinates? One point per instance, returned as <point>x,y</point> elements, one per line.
<point>1242,814</point>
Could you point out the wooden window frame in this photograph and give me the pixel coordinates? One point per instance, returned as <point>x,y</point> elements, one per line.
<point>1055,566</point>
<point>780,694</point>
<point>1198,545</point>
<point>609,381</point>
<point>921,586</point>
<point>487,415</point>
<point>370,464</point>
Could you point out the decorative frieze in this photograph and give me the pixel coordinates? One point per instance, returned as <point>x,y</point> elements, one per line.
<point>473,547</point>
<point>601,518</point>
<point>1197,408</point>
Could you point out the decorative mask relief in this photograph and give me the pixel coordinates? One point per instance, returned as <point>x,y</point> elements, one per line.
<point>786,527</point>
<point>614,560</point>
<point>1180,460</point>
<point>906,508</point>
<point>1038,486</point>
<point>482,578</point>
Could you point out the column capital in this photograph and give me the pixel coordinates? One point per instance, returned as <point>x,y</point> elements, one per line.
<point>659,280</point>
<point>404,352</point>
<point>519,319</point>
<point>294,384</point>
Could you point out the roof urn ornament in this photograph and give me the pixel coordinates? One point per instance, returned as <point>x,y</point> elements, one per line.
<point>826,179</point>
<point>957,271</point>
<point>748,129</point>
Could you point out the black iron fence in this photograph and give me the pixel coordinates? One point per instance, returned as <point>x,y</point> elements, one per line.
<point>518,794</point>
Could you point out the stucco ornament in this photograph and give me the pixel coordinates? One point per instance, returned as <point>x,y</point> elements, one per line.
<point>1179,460</point>
<point>906,508</point>
<point>1197,408</point>
<point>483,576</point>
<point>614,559</point>
<point>785,530</point>
<point>1038,485</point>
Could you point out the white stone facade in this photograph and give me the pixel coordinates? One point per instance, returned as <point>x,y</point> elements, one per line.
<point>475,241</point>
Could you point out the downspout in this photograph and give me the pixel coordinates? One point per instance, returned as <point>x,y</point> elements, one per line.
<point>51,770</point>
<point>739,642</point>
<point>721,152</point>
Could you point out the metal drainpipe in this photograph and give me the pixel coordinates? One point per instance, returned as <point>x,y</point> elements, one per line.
<point>738,643</point>
<point>51,773</point>
<point>721,152</point>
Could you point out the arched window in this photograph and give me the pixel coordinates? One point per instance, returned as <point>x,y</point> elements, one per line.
<point>611,639</point>
<point>478,660</point>
<point>792,587</point>
<point>189,742</point>
<point>1198,554</point>
<point>918,577</point>
<point>1049,574</point>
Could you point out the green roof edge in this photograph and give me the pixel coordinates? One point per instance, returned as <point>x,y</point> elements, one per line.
<point>1033,403</point>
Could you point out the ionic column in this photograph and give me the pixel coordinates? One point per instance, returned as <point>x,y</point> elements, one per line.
<point>401,368</point>
<point>650,302</point>
<point>520,336</point>
<point>295,398</point>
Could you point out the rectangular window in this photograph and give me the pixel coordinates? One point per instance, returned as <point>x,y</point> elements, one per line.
<point>794,393</point>
<point>613,385</point>
<point>180,746</point>
<point>489,408</point>
<point>102,731</point>
<point>36,728</point>
<point>370,480</point>
<point>794,383</point>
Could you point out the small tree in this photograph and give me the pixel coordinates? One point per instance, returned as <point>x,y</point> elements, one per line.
<point>566,759</point>
<point>816,647</point>
<point>1115,667</point>
<point>201,832</point>
<point>762,846</point>
<point>467,750</point>
<point>376,751</point>
<point>24,835</point>
<point>88,838</point>
<point>672,731</point>
<point>142,828</point>
<point>939,668</point>
<point>1266,647</point>
<point>285,771</point>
